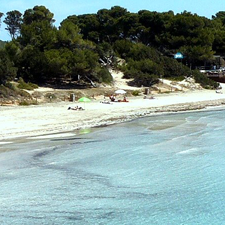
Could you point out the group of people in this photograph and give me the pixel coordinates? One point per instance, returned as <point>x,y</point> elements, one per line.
<point>113,99</point>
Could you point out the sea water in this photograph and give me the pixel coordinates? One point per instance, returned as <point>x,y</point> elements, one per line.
<point>165,169</point>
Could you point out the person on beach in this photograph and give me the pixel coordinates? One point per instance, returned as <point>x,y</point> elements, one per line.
<point>151,97</point>
<point>76,108</point>
<point>70,108</point>
<point>105,102</point>
<point>80,108</point>
<point>124,100</point>
<point>112,98</point>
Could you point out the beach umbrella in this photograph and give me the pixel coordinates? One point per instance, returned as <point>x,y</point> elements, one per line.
<point>120,92</point>
<point>84,99</point>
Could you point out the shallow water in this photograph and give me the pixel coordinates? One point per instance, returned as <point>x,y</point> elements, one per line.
<point>166,169</point>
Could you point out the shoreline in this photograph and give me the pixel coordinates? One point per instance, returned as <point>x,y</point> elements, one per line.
<point>54,118</point>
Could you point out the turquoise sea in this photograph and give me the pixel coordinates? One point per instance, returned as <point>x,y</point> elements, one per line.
<point>164,169</point>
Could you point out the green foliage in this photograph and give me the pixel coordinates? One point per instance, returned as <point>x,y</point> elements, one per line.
<point>146,66</point>
<point>143,79</point>
<point>40,52</point>
<point>27,103</point>
<point>89,26</point>
<point>38,13</point>
<point>220,16</point>
<point>10,90</point>
<point>10,86</point>
<point>2,44</point>
<point>40,34</point>
<point>68,35</point>
<point>204,81</point>
<point>31,63</point>
<point>5,92</point>
<point>13,23</point>
<point>172,68</point>
<point>104,76</point>
<point>27,86</point>
<point>135,92</point>
<point>104,49</point>
<point>12,49</point>
<point>122,48</point>
<point>57,62</point>
<point>50,96</point>
<point>7,69</point>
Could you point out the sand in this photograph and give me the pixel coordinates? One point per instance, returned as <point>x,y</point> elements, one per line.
<point>53,118</point>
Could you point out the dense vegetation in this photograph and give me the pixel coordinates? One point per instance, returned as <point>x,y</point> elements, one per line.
<point>81,49</point>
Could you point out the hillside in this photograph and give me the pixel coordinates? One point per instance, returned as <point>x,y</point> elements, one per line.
<point>84,46</point>
<point>49,94</point>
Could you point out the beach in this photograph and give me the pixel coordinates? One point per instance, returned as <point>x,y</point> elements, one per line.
<point>55,118</point>
<point>170,154</point>
<point>151,170</point>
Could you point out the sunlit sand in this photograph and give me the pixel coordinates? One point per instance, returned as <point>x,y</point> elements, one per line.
<point>52,118</point>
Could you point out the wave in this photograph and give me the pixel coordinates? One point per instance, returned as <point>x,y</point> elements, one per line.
<point>189,151</point>
<point>5,142</point>
<point>52,136</point>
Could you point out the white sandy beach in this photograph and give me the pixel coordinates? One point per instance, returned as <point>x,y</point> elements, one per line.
<point>52,118</point>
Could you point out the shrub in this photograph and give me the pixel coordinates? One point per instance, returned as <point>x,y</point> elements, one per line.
<point>204,81</point>
<point>105,76</point>
<point>4,91</point>
<point>50,96</point>
<point>26,86</point>
<point>172,68</point>
<point>23,93</point>
<point>27,103</point>
<point>7,69</point>
<point>10,86</point>
<point>143,79</point>
<point>146,66</point>
<point>10,90</point>
<point>135,92</point>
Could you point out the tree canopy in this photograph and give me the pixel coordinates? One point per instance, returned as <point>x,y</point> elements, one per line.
<point>83,46</point>
<point>13,22</point>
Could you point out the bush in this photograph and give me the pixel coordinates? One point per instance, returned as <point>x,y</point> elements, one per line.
<point>7,69</point>
<point>10,86</point>
<point>135,93</point>
<point>141,52</point>
<point>9,90</point>
<point>122,48</point>
<point>4,91</point>
<point>50,96</point>
<point>143,79</point>
<point>26,86</point>
<point>105,76</point>
<point>204,81</point>
<point>146,66</point>
<point>27,103</point>
<point>172,68</point>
